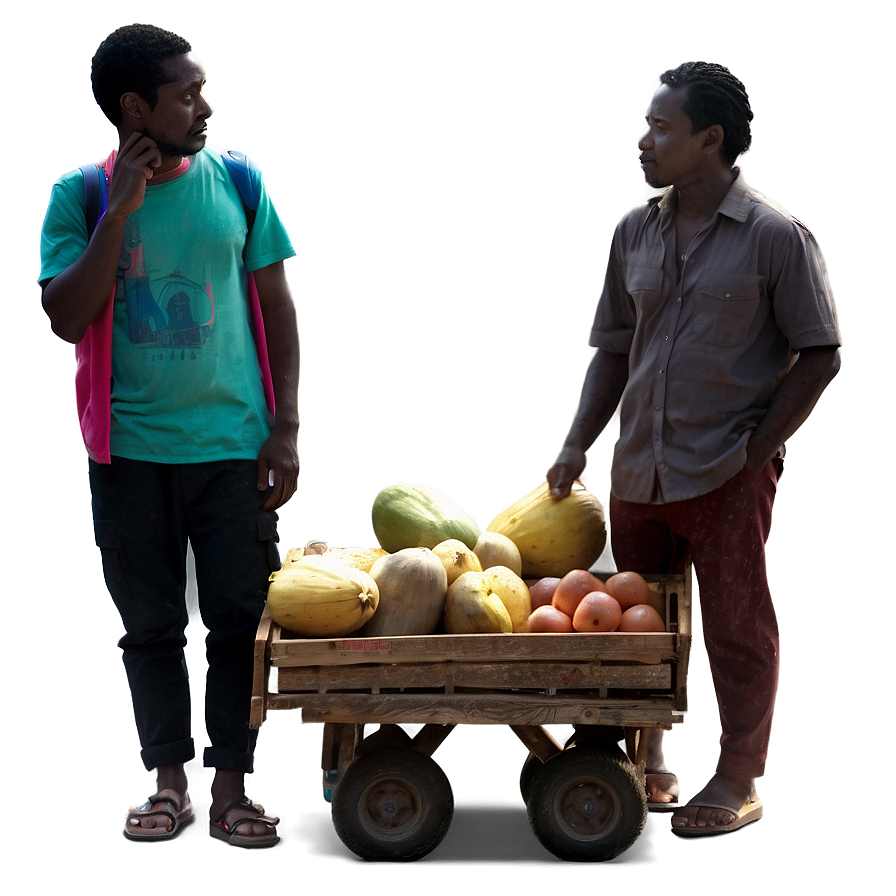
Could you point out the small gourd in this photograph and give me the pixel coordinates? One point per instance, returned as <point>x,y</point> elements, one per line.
<point>457,558</point>
<point>412,585</point>
<point>321,598</point>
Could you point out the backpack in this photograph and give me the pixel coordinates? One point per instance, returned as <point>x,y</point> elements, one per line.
<point>244,172</point>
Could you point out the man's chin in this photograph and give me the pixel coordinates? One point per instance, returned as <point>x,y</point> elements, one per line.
<point>188,148</point>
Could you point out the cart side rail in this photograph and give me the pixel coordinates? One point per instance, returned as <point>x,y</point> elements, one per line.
<point>261,670</point>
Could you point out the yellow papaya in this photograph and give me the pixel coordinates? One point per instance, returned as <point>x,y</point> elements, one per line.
<point>554,537</point>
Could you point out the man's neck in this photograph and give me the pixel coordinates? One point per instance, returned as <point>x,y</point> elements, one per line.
<point>169,162</point>
<point>700,198</point>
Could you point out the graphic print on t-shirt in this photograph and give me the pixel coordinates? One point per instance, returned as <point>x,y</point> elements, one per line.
<point>181,312</point>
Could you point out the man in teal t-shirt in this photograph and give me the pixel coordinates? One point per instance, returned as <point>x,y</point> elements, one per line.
<point>191,448</point>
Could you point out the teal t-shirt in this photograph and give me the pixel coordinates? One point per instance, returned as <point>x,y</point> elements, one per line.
<point>186,386</point>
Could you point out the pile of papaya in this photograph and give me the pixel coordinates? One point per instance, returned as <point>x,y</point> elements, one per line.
<point>436,571</point>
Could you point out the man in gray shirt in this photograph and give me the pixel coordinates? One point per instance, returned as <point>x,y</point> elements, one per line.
<point>716,334</point>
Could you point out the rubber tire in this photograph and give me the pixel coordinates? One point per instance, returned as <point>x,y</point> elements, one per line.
<point>393,804</point>
<point>530,769</point>
<point>586,805</point>
<point>384,736</point>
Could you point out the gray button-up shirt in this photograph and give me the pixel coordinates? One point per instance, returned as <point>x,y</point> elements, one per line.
<point>706,347</point>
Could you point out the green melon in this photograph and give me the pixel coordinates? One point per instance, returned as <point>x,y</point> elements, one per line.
<point>417,516</point>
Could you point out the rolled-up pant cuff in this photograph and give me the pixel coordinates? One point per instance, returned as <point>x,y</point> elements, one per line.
<point>168,754</point>
<point>218,757</point>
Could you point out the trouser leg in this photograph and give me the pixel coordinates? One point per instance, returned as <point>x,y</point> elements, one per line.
<point>740,629</point>
<point>642,540</point>
<point>143,547</point>
<point>725,533</point>
<point>234,543</point>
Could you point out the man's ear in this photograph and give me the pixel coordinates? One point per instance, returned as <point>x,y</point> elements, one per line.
<point>133,107</point>
<point>713,138</point>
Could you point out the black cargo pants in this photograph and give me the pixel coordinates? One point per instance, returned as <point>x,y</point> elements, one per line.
<point>144,514</point>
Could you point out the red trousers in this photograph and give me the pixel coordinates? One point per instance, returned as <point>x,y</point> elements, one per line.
<point>723,533</point>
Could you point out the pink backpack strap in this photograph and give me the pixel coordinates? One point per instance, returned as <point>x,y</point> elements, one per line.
<point>261,346</point>
<point>93,374</point>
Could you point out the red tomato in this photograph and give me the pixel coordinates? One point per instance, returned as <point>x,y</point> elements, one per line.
<point>597,612</point>
<point>572,588</point>
<point>548,619</point>
<point>628,588</point>
<point>641,618</point>
<point>542,590</point>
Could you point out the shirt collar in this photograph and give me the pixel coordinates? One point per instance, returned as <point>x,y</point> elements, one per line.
<point>735,205</point>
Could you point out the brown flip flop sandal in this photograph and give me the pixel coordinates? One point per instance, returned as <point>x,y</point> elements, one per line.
<point>229,833</point>
<point>668,782</point>
<point>749,812</point>
<point>160,805</point>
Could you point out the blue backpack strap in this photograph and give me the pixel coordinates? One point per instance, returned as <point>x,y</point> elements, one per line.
<point>94,195</point>
<point>247,177</point>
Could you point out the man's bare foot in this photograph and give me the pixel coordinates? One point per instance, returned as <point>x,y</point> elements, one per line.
<point>724,804</point>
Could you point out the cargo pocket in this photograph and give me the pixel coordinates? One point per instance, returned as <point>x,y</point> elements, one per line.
<point>107,534</point>
<point>268,535</point>
<point>728,308</point>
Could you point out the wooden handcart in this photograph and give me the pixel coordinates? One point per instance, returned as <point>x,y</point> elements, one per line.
<point>391,800</point>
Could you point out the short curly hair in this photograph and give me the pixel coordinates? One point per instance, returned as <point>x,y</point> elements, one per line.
<point>715,96</point>
<point>132,58</point>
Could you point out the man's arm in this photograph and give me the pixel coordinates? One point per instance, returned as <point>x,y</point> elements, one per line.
<point>279,455</point>
<point>792,403</point>
<point>74,298</point>
<point>603,387</point>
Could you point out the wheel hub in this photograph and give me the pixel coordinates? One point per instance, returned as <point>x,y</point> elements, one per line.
<point>587,810</point>
<point>388,805</point>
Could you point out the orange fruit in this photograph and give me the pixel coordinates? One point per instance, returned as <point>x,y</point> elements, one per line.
<point>641,618</point>
<point>572,588</point>
<point>542,590</point>
<point>628,588</point>
<point>597,612</point>
<point>548,619</point>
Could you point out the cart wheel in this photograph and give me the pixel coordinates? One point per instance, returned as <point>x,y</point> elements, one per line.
<point>385,736</point>
<point>586,805</point>
<point>530,769</point>
<point>393,804</point>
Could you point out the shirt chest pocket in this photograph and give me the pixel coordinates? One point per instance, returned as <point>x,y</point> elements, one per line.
<point>726,309</point>
<point>645,286</point>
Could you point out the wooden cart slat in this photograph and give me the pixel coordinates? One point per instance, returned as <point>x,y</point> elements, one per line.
<point>504,709</point>
<point>640,648</point>
<point>485,676</point>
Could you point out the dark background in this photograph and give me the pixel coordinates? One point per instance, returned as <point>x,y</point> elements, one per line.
<point>451,174</point>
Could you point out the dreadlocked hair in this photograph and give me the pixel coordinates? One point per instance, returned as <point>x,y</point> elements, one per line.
<point>715,96</point>
<point>132,58</point>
